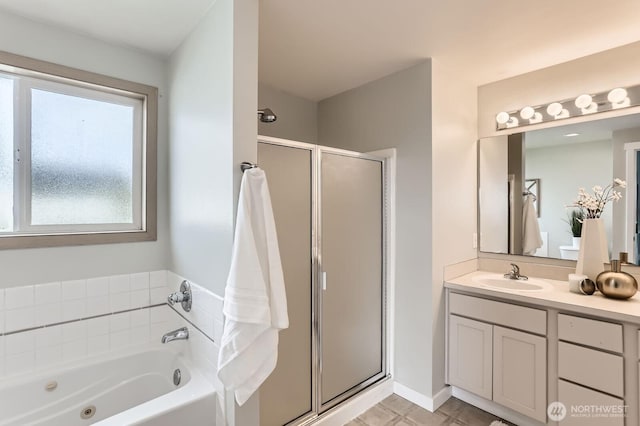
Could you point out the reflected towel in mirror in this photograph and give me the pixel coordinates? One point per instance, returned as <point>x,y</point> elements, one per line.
<point>531,239</point>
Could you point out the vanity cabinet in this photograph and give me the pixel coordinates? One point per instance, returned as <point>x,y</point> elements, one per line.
<point>549,346</point>
<point>490,358</point>
<point>590,368</point>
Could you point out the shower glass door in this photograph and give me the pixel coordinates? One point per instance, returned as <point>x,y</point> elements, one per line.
<point>287,395</point>
<point>351,296</point>
<point>328,206</point>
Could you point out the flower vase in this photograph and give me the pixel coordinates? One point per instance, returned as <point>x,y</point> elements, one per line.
<point>593,249</point>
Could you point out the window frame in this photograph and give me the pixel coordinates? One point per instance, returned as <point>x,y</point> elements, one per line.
<point>47,76</point>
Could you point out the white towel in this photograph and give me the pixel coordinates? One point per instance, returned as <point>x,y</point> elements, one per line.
<point>255,304</point>
<point>531,239</point>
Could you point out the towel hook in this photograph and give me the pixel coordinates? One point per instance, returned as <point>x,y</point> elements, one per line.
<point>245,165</point>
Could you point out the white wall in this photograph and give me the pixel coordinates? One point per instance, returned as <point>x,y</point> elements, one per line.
<point>31,266</point>
<point>454,183</point>
<point>297,117</point>
<point>395,111</point>
<point>213,98</point>
<point>428,113</point>
<point>562,169</point>
<point>493,160</point>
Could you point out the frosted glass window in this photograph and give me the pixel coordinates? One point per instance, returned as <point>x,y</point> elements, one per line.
<point>6,154</point>
<point>81,160</point>
<point>77,156</point>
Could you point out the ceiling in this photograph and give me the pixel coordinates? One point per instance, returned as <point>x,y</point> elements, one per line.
<point>155,26</point>
<point>316,49</point>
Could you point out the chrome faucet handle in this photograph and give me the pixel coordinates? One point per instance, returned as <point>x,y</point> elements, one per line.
<point>515,269</point>
<point>514,274</point>
<point>183,296</point>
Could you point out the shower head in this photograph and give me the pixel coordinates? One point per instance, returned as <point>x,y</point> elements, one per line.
<point>266,115</point>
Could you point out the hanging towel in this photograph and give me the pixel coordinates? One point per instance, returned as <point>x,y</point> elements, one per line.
<point>255,304</point>
<point>531,239</point>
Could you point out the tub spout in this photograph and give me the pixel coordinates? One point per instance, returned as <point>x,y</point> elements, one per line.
<point>179,334</point>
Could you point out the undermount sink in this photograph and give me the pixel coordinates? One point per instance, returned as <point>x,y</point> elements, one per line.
<point>499,282</point>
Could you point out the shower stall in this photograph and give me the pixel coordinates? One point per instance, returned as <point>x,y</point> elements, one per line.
<point>330,211</point>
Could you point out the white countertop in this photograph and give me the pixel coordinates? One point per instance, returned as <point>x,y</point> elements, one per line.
<point>557,297</point>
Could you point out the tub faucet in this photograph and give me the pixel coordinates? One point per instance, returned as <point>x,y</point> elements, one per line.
<point>179,334</point>
<point>514,274</point>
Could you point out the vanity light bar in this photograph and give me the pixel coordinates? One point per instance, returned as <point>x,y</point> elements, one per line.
<point>584,104</point>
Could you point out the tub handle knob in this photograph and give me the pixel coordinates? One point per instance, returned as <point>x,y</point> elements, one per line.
<point>183,296</point>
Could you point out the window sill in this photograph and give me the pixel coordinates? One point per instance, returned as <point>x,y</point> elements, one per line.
<point>57,240</point>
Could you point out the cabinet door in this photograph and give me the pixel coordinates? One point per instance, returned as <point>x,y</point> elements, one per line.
<point>520,372</point>
<point>579,403</point>
<point>470,346</point>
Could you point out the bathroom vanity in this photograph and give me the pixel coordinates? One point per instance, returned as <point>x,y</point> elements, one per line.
<point>520,349</point>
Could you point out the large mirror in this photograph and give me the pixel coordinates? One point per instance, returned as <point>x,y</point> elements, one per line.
<point>532,177</point>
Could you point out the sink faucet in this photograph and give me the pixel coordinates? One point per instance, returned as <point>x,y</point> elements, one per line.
<point>179,334</point>
<point>514,274</point>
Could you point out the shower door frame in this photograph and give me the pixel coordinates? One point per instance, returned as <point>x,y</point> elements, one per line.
<point>317,408</point>
<point>313,414</point>
<point>322,408</point>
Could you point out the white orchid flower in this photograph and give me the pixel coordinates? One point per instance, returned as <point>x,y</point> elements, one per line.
<point>619,182</point>
<point>593,204</point>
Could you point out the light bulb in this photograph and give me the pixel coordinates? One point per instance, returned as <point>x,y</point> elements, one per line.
<point>617,95</point>
<point>554,109</point>
<point>537,118</point>
<point>502,117</point>
<point>583,101</point>
<point>591,108</point>
<point>527,112</point>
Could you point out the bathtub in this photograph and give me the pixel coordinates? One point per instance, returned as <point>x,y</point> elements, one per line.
<point>133,388</point>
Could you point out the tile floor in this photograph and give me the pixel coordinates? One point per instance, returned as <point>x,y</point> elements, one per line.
<point>397,411</point>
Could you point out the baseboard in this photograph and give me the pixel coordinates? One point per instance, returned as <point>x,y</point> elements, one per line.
<point>441,397</point>
<point>428,403</point>
<point>357,405</point>
<point>493,408</point>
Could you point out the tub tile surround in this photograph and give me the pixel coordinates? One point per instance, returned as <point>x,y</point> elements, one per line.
<point>41,348</point>
<point>51,324</point>
<point>23,308</point>
<point>206,309</point>
<point>27,307</point>
<point>51,349</point>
